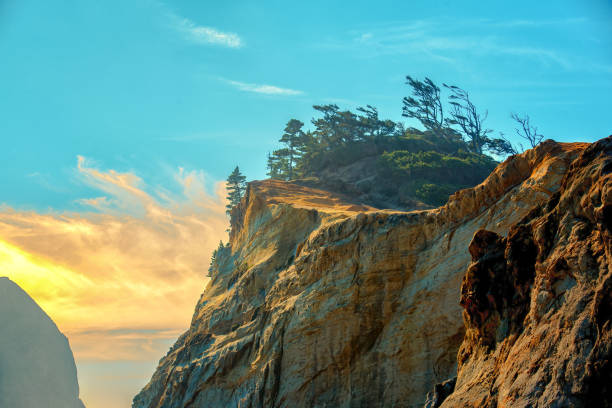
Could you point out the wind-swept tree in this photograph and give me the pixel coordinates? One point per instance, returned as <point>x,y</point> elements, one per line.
<point>371,126</point>
<point>348,128</point>
<point>340,128</point>
<point>526,131</point>
<point>502,146</point>
<point>424,104</point>
<point>309,149</point>
<point>327,128</point>
<point>464,114</point>
<point>236,185</point>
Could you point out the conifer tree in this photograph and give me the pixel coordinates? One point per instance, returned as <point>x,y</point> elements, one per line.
<point>465,115</point>
<point>326,128</point>
<point>272,166</point>
<point>371,126</point>
<point>236,185</point>
<point>293,139</point>
<point>425,104</point>
<point>278,164</point>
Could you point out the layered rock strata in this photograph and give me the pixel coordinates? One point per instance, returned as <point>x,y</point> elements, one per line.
<point>324,303</point>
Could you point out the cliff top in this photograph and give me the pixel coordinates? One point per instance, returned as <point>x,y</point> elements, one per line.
<point>283,192</point>
<point>273,191</point>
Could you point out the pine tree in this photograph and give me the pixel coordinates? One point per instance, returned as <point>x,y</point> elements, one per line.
<point>371,126</point>
<point>236,185</point>
<point>278,164</point>
<point>293,140</point>
<point>424,104</point>
<point>218,256</point>
<point>465,115</point>
<point>326,128</point>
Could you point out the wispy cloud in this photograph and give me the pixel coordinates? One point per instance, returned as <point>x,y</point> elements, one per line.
<point>122,344</point>
<point>452,41</point>
<point>535,23</point>
<point>135,264</point>
<point>262,88</point>
<point>203,34</point>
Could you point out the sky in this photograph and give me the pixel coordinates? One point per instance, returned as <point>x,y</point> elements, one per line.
<point>120,120</point>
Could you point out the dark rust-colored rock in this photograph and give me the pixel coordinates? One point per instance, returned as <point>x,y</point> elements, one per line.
<point>537,304</point>
<point>439,393</point>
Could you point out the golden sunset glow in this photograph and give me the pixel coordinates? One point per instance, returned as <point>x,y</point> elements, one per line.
<point>49,284</point>
<point>121,287</point>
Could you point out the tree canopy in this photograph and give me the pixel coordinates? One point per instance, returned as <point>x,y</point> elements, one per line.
<point>465,115</point>
<point>424,104</point>
<point>455,141</point>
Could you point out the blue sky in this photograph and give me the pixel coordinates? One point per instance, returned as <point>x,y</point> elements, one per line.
<point>149,86</point>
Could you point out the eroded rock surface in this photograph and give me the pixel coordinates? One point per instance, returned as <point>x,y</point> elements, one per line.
<point>323,303</point>
<point>440,392</point>
<point>538,303</point>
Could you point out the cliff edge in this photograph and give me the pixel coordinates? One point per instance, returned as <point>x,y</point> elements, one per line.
<point>538,302</point>
<point>322,302</point>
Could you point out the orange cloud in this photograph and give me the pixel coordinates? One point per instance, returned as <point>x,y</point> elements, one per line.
<point>121,282</point>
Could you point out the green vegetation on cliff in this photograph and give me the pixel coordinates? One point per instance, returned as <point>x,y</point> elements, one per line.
<point>432,176</point>
<point>380,162</point>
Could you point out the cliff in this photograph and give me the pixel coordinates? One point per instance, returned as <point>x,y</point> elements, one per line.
<point>325,303</point>
<point>538,302</point>
<point>36,364</point>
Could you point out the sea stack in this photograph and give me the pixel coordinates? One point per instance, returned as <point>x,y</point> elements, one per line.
<point>37,367</point>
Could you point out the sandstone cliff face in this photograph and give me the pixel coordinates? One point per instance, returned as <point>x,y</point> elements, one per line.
<point>328,304</point>
<point>538,303</point>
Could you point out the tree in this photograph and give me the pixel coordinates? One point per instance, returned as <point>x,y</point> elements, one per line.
<point>527,132</point>
<point>276,165</point>
<point>326,128</point>
<point>424,104</point>
<point>465,115</point>
<point>282,162</point>
<point>347,128</point>
<point>371,126</point>
<point>340,128</point>
<point>336,127</point>
<point>502,146</point>
<point>236,185</point>
<point>218,256</point>
<point>293,138</point>
<point>309,149</point>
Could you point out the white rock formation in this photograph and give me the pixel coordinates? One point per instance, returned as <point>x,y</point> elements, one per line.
<point>37,368</point>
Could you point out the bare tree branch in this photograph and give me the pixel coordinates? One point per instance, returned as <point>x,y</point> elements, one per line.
<point>527,132</point>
